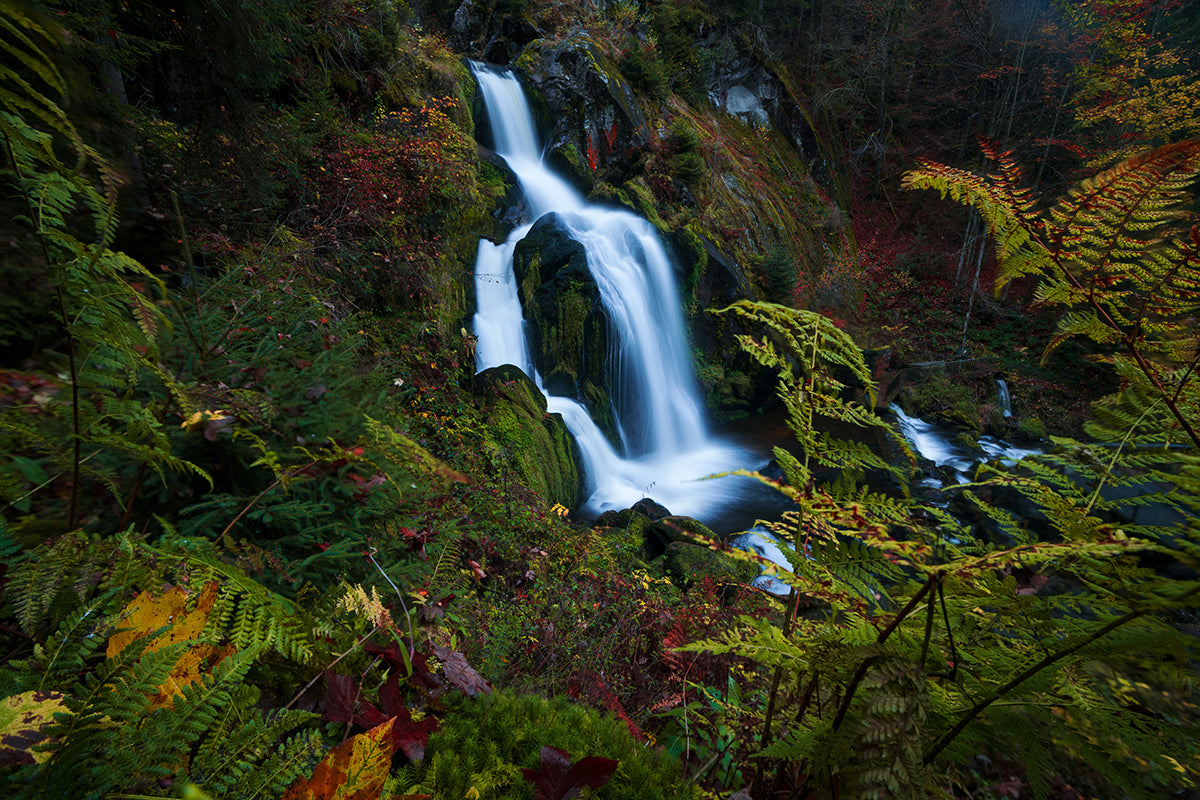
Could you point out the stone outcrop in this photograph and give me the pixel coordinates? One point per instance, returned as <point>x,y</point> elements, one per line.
<point>568,329</point>
<point>535,445</point>
<point>596,126</point>
<point>488,33</point>
<point>744,87</point>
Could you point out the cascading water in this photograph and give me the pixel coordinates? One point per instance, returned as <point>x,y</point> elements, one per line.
<point>666,444</point>
<point>1003,398</point>
<point>941,445</point>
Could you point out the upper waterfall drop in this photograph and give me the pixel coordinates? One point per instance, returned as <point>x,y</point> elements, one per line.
<point>665,443</point>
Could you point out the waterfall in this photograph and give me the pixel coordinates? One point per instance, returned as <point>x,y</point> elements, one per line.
<point>665,444</point>
<point>1003,398</point>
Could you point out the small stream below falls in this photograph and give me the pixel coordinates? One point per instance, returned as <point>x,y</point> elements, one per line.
<point>940,445</point>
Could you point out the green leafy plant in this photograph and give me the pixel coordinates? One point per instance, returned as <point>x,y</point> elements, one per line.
<point>923,646</point>
<point>106,301</point>
<point>1118,256</point>
<point>171,684</point>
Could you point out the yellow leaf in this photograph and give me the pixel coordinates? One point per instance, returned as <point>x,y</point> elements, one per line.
<point>201,417</point>
<point>146,614</point>
<point>355,770</point>
<point>23,719</point>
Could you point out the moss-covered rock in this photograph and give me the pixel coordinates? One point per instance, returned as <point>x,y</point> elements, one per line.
<point>690,564</point>
<point>535,445</point>
<point>568,331</point>
<point>678,543</point>
<point>670,543</point>
<point>589,108</point>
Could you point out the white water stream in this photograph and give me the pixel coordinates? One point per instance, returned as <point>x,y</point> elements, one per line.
<point>941,445</point>
<point>666,446</point>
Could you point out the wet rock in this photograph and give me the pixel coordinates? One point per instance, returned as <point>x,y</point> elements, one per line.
<point>535,445</point>
<point>596,127</point>
<point>675,544</point>
<point>493,34</point>
<point>652,509</point>
<point>568,329</point>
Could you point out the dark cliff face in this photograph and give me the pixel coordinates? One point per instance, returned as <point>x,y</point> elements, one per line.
<point>597,131</point>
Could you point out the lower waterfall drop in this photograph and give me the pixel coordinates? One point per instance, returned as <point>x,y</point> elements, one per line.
<point>666,446</point>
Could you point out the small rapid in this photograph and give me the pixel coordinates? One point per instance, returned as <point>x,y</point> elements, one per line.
<point>941,445</point>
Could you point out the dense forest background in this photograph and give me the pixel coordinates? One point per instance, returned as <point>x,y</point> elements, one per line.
<point>266,534</point>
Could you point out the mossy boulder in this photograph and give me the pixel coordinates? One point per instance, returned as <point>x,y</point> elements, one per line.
<point>670,543</point>
<point>534,444</point>
<point>690,564</point>
<point>596,128</point>
<point>678,542</point>
<point>568,330</point>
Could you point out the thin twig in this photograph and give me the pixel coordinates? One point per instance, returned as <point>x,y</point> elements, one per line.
<point>260,496</point>
<point>412,638</point>
<point>330,666</point>
<point>880,639</point>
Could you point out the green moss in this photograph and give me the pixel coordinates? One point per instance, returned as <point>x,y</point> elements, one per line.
<point>637,196</point>
<point>526,441</point>
<point>689,564</point>
<point>564,341</point>
<point>485,742</point>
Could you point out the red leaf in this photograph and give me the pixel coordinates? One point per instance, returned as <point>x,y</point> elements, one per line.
<point>340,693</point>
<point>559,780</point>
<point>389,696</point>
<point>410,737</point>
<point>343,701</point>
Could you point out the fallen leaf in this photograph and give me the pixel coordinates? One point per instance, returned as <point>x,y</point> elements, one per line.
<point>558,779</point>
<point>409,736</point>
<point>355,770</point>
<point>461,674</point>
<point>146,614</point>
<point>23,720</point>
